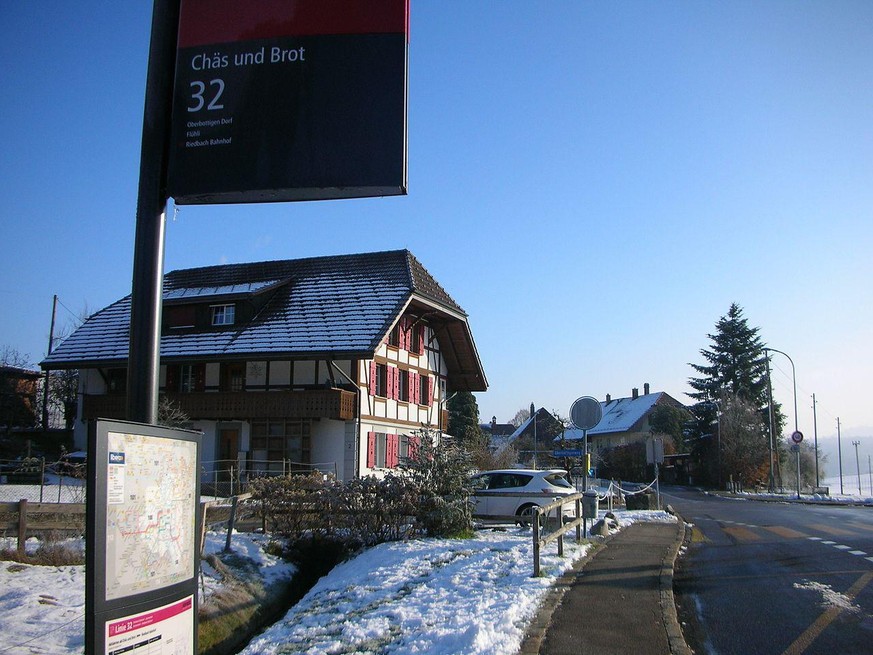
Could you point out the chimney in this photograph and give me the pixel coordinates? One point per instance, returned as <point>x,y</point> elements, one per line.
<point>635,393</point>
<point>608,399</point>
<point>493,425</point>
<point>646,389</point>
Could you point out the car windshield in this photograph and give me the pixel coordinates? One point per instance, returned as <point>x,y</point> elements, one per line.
<point>558,480</point>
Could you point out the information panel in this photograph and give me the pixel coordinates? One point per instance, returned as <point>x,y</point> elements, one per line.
<point>142,555</point>
<point>281,100</point>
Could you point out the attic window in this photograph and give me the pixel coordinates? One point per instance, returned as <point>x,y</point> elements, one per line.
<point>222,314</point>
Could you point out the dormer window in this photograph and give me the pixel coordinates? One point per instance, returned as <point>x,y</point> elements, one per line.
<point>222,314</point>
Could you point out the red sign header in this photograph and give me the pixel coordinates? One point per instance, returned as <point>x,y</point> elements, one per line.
<point>206,22</point>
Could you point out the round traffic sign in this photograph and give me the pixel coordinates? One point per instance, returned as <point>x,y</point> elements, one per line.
<point>797,436</point>
<point>586,412</point>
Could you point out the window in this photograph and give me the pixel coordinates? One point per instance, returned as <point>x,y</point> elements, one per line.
<point>425,392</point>
<point>233,377</point>
<point>278,444</point>
<point>378,379</point>
<point>388,450</point>
<point>223,314</point>
<point>405,389</point>
<point>187,378</point>
<point>116,380</point>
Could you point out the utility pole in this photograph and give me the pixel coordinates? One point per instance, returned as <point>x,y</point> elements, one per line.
<point>856,443</point>
<point>815,435</point>
<point>839,455</point>
<point>45,388</point>
<point>870,475</point>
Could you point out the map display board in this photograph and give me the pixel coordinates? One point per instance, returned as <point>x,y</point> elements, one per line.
<point>142,537</point>
<point>282,100</point>
<point>150,510</point>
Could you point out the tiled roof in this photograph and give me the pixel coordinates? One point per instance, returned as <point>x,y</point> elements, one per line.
<point>339,305</point>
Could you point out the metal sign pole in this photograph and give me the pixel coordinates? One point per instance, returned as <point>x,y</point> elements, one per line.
<point>143,365</point>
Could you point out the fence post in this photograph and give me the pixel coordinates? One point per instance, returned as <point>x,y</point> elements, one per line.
<point>230,521</point>
<point>202,526</point>
<point>41,476</point>
<point>536,542</point>
<point>22,525</point>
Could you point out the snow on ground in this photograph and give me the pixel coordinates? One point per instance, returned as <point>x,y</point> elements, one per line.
<point>435,596</point>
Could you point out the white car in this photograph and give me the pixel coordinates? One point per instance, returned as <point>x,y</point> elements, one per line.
<point>534,489</point>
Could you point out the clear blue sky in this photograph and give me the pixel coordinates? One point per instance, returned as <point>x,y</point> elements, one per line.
<point>595,183</point>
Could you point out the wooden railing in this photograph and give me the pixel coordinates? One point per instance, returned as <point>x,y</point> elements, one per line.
<point>316,403</point>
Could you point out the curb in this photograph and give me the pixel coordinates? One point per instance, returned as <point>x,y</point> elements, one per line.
<point>676,639</point>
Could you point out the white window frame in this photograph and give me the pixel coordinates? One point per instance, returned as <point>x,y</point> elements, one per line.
<point>223,314</point>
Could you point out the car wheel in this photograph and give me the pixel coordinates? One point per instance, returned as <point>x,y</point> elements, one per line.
<point>525,515</point>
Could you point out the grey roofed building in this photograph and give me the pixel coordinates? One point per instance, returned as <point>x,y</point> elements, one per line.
<point>289,324</point>
<point>625,420</point>
<point>323,306</point>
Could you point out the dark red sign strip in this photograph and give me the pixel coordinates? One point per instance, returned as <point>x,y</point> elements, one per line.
<point>207,22</point>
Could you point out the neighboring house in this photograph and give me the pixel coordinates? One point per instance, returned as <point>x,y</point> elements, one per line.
<point>625,420</point>
<point>538,431</point>
<point>333,363</point>
<point>18,397</point>
<point>497,433</point>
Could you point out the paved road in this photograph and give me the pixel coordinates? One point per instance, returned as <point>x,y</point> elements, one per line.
<point>763,578</point>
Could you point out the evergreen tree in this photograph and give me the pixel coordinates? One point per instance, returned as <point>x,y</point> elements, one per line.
<point>464,417</point>
<point>736,363</point>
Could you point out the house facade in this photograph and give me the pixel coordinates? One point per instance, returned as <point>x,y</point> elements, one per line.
<point>625,420</point>
<point>330,363</point>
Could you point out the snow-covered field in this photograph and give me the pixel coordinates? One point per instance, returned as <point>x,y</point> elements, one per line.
<point>435,596</point>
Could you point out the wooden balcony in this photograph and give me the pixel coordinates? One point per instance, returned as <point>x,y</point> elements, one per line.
<point>336,404</point>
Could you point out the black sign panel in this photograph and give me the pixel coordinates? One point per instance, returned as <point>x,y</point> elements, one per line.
<point>281,100</point>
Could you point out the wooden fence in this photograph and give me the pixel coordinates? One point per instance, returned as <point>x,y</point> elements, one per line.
<point>25,519</point>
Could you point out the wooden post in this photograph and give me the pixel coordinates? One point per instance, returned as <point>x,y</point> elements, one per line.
<point>230,521</point>
<point>202,525</point>
<point>22,525</point>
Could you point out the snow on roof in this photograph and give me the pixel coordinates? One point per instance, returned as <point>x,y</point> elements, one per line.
<point>619,415</point>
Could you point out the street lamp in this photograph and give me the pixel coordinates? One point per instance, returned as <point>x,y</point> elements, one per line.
<point>770,387</point>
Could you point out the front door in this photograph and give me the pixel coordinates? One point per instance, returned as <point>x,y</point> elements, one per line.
<point>228,454</point>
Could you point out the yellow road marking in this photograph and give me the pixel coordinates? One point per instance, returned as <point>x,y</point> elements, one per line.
<point>829,529</point>
<point>697,536</point>
<point>743,534</point>
<point>788,533</point>
<point>809,635</point>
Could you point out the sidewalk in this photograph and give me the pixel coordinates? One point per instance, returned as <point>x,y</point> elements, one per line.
<point>620,600</point>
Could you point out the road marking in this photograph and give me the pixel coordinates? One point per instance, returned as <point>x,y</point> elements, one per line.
<point>861,526</point>
<point>697,536</point>
<point>841,547</point>
<point>788,533</point>
<point>814,538</point>
<point>829,543</point>
<point>743,534</point>
<point>809,635</point>
<point>829,529</point>
<point>869,559</point>
<point>857,552</point>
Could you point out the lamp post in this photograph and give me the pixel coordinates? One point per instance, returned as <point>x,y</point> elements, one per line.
<point>815,434</point>
<point>857,465</point>
<point>794,384</point>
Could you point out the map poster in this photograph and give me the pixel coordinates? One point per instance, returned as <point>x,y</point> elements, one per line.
<point>142,539</point>
<point>150,511</point>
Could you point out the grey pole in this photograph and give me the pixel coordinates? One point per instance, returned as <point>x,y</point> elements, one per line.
<point>143,365</point>
<point>840,455</point>
<point>858,465</point>
<point>815,434</point>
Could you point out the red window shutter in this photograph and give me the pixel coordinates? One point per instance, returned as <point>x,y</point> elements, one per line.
<point>419,338</point>
<point>372,388</point>
<point>429,391</point>
<point>371,450</point>
<point>392,450</point>
<point>396,388</point>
